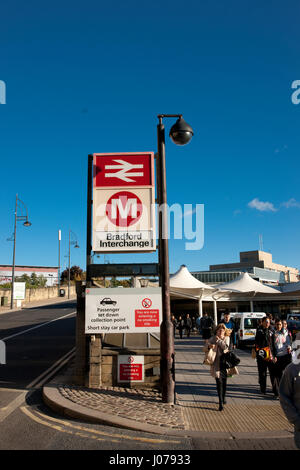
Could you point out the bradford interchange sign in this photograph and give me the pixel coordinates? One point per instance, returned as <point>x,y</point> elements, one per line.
<point>123,202</point>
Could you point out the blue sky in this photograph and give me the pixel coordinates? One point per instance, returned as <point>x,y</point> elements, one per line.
<point>84,77</point>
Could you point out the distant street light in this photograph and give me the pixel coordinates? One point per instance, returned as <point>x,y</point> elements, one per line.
<point>26,224</point>
<point>58,272</point>
<point>144,282</point>
<point>180,133</point>
<point>71,242</point>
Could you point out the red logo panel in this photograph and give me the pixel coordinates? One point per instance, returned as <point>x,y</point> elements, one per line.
<point>123,170</point>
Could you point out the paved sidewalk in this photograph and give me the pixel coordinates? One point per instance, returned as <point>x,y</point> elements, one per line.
<point>247,414</point>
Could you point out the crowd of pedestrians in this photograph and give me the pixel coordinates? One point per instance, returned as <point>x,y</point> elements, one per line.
<point>274,351</point>
<point>184,325</point>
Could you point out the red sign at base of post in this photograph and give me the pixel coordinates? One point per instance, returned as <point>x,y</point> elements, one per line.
<point>130,369</point>
<point>131,372</point>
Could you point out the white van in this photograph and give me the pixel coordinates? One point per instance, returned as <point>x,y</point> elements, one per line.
<point>246,326</point>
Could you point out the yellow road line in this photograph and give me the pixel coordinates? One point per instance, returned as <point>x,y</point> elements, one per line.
<point>102,433</point>
<point>58,428</point>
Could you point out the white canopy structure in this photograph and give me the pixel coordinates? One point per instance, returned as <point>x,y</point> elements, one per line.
<point>183,279</point>
<point>245,283</point>
<point>183,283</point>
<point>244,287</point>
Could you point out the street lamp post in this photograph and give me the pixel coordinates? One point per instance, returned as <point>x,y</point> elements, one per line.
<point>26,223</point>
<point>180,133</point>
<point>58,273</point>
<point>75,246</point>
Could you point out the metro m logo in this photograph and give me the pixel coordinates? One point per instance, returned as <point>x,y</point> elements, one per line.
<point>124,209</point>
<point>131,205</point>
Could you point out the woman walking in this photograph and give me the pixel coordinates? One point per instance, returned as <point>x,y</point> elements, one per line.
<point>220,344</point>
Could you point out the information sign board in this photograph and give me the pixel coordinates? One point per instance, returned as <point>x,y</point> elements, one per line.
<point>128,310</point>
<point>19,290</point>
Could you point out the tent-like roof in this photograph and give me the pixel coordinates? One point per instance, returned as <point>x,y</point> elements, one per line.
<point>245,283</point>
<point>184,279</point>
<point>185,283</point>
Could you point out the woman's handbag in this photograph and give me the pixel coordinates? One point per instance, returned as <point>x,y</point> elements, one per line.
<point>232,371</point>
<point>230,360</point>
<point>253,353</point>
<point>209,357</point>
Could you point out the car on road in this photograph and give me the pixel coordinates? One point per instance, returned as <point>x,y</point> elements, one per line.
<point>108,301</point>
<point>293,323</point>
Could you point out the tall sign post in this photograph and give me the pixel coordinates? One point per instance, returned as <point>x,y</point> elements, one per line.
<point>124,221</point>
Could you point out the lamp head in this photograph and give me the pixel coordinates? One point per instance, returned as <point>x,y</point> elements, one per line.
<point>144,282</point>
<point>27,223</point>
<point>181,133</point>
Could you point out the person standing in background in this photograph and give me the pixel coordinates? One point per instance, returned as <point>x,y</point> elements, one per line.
<point>230,325</point>
<point>289,390</point>
<point>174,321</point>
<point>188,325</point>
<point>207,326</point>
<point>281,349</point>
<point>264,357</point>
<point>180,325</point>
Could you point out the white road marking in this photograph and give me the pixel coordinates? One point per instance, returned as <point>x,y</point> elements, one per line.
<point>38,382</point>
<point>35,327</point>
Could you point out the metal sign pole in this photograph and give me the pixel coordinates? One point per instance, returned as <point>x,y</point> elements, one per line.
<point>166,335</point>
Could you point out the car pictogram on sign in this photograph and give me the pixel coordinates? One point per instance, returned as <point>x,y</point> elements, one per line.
<point>108,301</point>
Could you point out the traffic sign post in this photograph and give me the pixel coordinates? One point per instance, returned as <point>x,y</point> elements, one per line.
<point>123,221</point>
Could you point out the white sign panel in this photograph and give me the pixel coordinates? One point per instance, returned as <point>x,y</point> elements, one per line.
<point>124,220</point>
<point>128,310</point>
<point>19,290</point>
<point>130,369</point>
